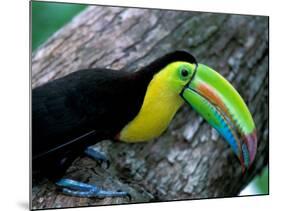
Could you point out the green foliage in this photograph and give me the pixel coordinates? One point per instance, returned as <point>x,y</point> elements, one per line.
<point>48,17</point>
<point>261,181</point>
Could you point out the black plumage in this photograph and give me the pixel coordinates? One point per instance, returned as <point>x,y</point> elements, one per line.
<point>84,107</point>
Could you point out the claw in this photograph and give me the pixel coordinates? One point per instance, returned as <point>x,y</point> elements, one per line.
<point>80,189</point>
<point>97,155</point>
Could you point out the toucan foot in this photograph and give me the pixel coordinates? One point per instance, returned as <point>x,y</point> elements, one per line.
<point>98,156</point>
<point>80,189</point>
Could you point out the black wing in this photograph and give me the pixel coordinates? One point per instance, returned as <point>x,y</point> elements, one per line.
<point>78,110</point>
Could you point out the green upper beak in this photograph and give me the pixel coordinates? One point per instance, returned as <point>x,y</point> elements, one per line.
<point>215,99</point>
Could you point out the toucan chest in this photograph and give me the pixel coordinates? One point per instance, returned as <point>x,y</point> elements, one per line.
<point>159,106</point>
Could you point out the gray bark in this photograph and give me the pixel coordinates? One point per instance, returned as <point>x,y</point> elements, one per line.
<point>190,160</point>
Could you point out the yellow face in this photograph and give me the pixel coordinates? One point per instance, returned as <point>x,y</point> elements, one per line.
<point>161,102</point>
<point>176,75</point>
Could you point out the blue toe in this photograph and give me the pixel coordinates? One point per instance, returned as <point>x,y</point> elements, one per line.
<point>80,189</point>
<point>72,184</point>
<point>95,154</point>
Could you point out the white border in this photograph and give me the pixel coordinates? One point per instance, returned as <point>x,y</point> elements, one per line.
<point>14,114</point>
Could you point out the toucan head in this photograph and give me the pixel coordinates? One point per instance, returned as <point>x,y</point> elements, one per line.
<point>217,101</point>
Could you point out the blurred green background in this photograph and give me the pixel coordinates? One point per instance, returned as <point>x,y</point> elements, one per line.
<point>47,18</point>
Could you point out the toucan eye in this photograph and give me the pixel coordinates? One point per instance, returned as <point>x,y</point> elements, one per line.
<point>184,72</point>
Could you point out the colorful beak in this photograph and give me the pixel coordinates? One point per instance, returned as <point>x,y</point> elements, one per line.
<point>215,99</point>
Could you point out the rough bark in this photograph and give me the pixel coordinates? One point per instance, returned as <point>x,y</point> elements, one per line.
<point>189,160</point>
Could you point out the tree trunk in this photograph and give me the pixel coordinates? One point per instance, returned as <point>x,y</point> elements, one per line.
<point>190,160</point>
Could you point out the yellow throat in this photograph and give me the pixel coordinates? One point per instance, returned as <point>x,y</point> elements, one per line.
<point>159,106</point>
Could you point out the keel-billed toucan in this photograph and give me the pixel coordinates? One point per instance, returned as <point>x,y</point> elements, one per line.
<point>74,112</point>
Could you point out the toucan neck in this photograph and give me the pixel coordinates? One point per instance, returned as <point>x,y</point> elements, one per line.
<point>158,108</point>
